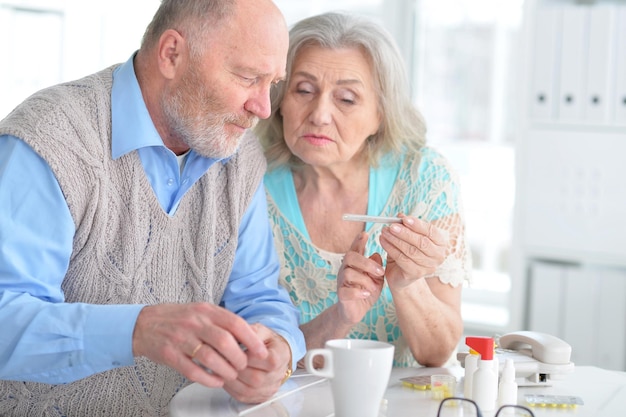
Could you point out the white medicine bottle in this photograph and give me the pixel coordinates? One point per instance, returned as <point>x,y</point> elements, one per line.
<point>485,380</point>
<point>471,364</point>
<point>507,390</point>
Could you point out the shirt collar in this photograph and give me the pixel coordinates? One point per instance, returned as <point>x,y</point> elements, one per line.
<point>131,124</point>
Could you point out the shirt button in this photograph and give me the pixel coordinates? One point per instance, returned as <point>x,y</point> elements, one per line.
<point>186,180</point>
<point>170,182</point>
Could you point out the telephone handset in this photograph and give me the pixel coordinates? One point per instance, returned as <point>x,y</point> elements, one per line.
<point>538,357</point>
<point>541,346</point>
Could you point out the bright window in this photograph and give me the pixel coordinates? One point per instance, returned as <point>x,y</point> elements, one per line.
<point>464,71</point>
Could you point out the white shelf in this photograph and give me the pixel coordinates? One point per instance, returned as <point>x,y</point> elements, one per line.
<point>569,228</point>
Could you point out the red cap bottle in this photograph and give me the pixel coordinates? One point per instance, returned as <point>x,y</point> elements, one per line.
<point>483,345</point>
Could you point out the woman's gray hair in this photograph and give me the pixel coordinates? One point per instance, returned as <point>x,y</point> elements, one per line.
<point>191,18</point>
<point>402,128</point>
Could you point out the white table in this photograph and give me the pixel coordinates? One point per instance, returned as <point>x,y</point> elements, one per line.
<point>603,393</point>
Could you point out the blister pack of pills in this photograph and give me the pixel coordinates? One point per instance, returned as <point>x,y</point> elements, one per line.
<point>553,401</point>
<point>421,382</point>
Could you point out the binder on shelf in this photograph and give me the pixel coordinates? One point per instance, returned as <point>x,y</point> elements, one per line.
<point>619,98</point>
<point>579,312</point>
<point>545,39</point>
<point>601,49</point>
<point>610,344</point>
<point>574,44</point>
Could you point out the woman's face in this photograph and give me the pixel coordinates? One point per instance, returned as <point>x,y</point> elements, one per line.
<point>330,105</point>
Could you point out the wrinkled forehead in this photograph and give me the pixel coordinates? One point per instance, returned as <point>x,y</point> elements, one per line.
<point>256,34</point>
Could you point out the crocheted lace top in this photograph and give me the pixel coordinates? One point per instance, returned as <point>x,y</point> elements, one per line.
<point>424,185</point>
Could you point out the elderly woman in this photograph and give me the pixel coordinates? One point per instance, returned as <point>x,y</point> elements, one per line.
<point>344,137</point>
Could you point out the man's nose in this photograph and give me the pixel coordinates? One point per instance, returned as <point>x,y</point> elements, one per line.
<point>259,103</point>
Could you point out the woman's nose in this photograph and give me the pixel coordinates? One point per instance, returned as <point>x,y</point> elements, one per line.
<point>321,111</point>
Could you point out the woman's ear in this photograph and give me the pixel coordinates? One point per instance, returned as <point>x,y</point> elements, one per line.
<point>379,126</point>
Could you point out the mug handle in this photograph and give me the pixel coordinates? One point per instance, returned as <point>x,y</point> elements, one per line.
<point>327,370</point>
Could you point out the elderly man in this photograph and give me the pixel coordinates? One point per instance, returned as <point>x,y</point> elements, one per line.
<point>135,248</point>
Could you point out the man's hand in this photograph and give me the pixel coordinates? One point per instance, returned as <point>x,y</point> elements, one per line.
<point>202,341</point>
<point>263,376</point>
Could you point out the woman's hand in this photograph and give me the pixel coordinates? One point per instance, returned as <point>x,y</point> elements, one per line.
<point>359,281</point>
<point>415,249</point>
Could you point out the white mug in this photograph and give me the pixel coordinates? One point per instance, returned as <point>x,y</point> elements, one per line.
<point>358,371</point>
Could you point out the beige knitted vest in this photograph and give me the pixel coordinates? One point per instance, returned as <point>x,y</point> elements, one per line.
<point>126,249</point>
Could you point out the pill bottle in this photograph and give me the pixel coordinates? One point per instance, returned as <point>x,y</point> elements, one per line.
<point>485,379</point>
<point>507,389</point>
<point>471,364</point>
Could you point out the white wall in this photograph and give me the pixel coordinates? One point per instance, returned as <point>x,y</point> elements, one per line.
<point>61,40</point>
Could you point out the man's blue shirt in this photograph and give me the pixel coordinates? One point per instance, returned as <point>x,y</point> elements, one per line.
<point>47,340</point>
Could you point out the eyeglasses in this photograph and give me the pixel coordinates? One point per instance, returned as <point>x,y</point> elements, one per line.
<point>464,407</point>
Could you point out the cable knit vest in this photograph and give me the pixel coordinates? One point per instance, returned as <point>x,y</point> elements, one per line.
<point>126,249</point>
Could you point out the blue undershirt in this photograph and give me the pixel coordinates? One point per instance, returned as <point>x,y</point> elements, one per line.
<point>280,185</point>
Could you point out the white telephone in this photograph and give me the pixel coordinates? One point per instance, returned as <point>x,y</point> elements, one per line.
<point>538,357</point>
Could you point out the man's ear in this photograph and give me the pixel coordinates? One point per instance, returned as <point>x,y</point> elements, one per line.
<point>173,53</point>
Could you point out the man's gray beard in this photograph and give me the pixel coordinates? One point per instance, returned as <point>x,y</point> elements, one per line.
<point>207,137</point>
<point>212,142</point>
